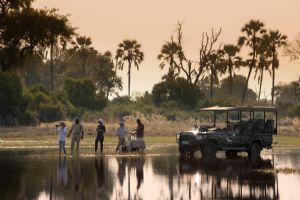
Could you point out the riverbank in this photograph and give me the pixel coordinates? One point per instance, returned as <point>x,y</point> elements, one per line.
<point>158,133</point>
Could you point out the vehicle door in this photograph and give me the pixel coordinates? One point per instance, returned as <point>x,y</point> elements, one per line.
<point>231,139</point>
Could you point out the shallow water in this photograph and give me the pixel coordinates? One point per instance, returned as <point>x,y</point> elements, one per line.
<point>27,176</point>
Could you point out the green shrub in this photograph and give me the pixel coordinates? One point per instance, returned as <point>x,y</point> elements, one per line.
<point>82,93</point>
<point>12,102</point>
<point>50,113</point>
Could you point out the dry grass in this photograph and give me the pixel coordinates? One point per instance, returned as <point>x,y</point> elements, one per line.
<point>289,126</point>
<point>156,127</point>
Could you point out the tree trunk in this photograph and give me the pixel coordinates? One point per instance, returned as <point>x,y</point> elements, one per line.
<point>246,85</point>
<point>211,82</point>
<point>129,73</point>
<point>249,74</point>
<point>273,76</point>
<point>51,66</point>
<point>260,82</point>
<point>230,81</point>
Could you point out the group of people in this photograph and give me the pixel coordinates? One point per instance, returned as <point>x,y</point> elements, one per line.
<point>76,132</point>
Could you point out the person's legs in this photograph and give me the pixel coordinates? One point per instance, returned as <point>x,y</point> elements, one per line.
<point>101,143</point>
<point>77,143</point>
<point>60,147</point>
<point>96,144</point>
<point>72,144</point>
<point>119,143</point>
<point>64,147</point>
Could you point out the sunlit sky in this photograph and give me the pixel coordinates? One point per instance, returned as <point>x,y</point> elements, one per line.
<point>108,22</point>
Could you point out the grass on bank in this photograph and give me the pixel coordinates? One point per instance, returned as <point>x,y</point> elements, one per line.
<point>50,141</point>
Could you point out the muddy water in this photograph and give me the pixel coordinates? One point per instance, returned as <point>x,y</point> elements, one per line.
<point>149,177</point>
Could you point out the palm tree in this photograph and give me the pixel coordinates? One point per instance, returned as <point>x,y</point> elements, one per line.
<point>168,54</point>
<point>129,51</point>
<point>231,62</point>
<point>263,62</point>
<point>275,40</point>
<point>253,32</point>
<point>216,67</point>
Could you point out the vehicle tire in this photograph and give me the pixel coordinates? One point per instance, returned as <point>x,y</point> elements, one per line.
<point>231,154</point>
<point>255,150</point>
<point>209,150</point>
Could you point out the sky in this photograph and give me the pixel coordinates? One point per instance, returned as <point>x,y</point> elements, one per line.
<point>152,22</point>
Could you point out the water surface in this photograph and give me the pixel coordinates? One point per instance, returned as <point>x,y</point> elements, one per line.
<point>275,176</point>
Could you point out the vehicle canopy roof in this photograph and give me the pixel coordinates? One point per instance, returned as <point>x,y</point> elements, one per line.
<point>240,108</point>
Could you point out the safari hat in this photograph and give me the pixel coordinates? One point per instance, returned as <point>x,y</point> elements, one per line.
<point>121,124</point>
<point>100,120</point>
<point>62,124</point>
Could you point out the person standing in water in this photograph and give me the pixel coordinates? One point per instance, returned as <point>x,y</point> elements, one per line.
<point>121,132</point>
<point>77,133</point>
<point>100,134</point>
<point>62,132</point>
<point>139,131</point>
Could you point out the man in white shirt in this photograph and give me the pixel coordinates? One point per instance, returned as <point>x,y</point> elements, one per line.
<point>121,132</point>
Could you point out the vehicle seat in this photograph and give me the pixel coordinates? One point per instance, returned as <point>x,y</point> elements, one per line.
<point>246,126</point>
<point>269,126</point>
<point>258,126</point>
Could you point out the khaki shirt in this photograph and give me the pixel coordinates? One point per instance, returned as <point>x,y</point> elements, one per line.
<point>76,129</point>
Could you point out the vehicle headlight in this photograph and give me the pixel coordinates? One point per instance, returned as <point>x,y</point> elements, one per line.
<point>177,137</point>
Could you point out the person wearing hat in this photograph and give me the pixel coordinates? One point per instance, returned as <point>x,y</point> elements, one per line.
<point>121,132</point>
<point>62,132</point>
<point>77,133</point>
<point>100,134</point>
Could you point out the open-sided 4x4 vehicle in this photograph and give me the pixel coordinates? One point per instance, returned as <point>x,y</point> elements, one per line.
<point>246,129</point>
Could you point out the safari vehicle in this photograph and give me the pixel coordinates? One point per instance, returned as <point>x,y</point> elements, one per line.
<point>246,129</point>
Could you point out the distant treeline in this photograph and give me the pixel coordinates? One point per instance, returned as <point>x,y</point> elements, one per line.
<point>49,72</point>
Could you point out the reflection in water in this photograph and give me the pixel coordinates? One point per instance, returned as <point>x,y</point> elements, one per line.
<point>99,165</point>
<point>147,177</point>
<point>62,173</point>
<point>231,179</point>
<point>76,176</point>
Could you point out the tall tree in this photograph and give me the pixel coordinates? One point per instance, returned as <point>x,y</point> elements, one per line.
<point>58,27</point>
<point>263,63</point>
<point>275,40</point>
<point>129,51</point>
<point>207,49</point>
<point>215,67</point>
<point>253,32</point>
<point>82,47</point>
<point>231,62</point>
<point>168,55</point>
<point>293,49</point>
<point>105,76</point>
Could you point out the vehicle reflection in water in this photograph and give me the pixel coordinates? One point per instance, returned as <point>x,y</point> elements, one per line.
<point>149,177</point>
<point>231,179</point>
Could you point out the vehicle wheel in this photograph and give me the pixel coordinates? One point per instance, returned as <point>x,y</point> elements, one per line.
<point>209,150</point>
<point>231,154</point>
<point>255,150</point>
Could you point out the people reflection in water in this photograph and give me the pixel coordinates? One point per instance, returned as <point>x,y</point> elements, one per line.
<point>139,164</point>
<point>121,169</point>
<point>62,172</point>
<point>99,165</point>
<point>135,163</point>
<point>76,173</point>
